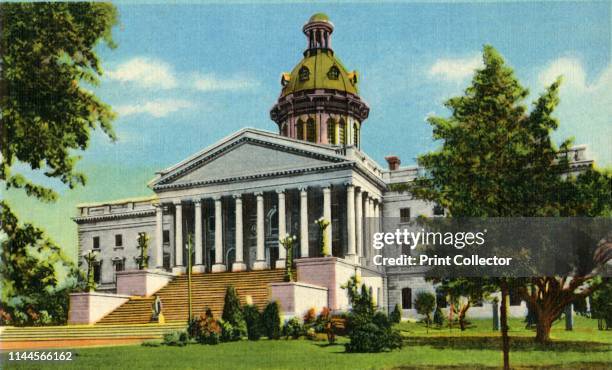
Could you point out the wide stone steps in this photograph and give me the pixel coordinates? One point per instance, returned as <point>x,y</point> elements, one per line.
<point>208,290</point>
<point>146,331</point>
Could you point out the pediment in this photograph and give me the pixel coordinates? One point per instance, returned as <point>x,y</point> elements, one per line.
<point>246,157</point>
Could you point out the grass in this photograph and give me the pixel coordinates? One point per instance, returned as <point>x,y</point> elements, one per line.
<point>477,347</point>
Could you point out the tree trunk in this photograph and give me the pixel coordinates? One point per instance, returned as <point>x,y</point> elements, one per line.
<point>543,327</point>
<point>504,324</point>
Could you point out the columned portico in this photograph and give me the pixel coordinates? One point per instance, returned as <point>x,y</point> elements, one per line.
<point>199,253</point>
<point>159,236</point>
<point>282,229</point>
<point>359,221</point>
<point>218,266</point>
<point>260,262</point>
<point>350,220</point>
<point>179,268</point>
<point>327,214</point>
<point>303,223</point>
<point>239,264</point>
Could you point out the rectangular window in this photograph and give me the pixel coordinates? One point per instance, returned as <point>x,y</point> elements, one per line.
<point>438,210</point>
<point>406,298</point>
<point>514,297</point>
<point>118,240</point>
<point>404,215</point>
<point>96,242</point>
<point>166,238</point>
<point>97,272</point>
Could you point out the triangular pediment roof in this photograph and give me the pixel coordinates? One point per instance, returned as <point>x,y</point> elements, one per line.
<point>248,154</point>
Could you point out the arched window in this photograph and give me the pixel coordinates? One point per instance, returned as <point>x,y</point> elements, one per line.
<point>300,129</point>
<point>331,131</point>
<point>284,130</point>
<point>406,298</point>
<point>333,73</point>
<point>311,132</point>
<point>341,131</point>
<point>304,73</point>
<point>356,134</point>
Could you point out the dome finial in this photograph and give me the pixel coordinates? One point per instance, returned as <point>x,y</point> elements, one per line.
<point>318,31</point>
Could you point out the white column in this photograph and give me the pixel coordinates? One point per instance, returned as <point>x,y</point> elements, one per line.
<point>350,223</point>
<point>178,268</point>
<point>218,266</point>
<point>370,227</point>
<point>159,236</point>
<point>199,253</point>
<point>260,261</point>
<point>303,223</point>
<point>327,215</point>
<point>282,229</point>
<point>359,222</point>
<point>239,264</point>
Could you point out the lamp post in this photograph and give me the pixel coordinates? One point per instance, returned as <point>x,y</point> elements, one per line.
<point>189,309</point>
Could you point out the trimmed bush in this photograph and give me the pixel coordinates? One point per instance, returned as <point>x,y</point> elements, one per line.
<point>272,320</point>
<point>293,328</point>
<point>253,322</point>
<point>425,303</point>
<point>396,315</point>
<point>232,312</point>
<point>205,329</point>
<point>229,333</point>
<point>175,338</point>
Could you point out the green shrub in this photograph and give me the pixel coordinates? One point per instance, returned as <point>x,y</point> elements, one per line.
<point>151,343</point>
<point>293,328</point>
<point>175,338</point>
<point>232,312</point>
<point>253,322</point>
<point>425,303</point>
<point>205,329</point>
<point>272,320</point>
<point>396,315</point>
<point>229,333</point>
<point>368,330</point>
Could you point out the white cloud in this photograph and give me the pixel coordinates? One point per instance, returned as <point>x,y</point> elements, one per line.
<point>145,72</point>
<point>210,82</point>
<point>156,108</point>
<point>455,69</point>
<point>585,110</point>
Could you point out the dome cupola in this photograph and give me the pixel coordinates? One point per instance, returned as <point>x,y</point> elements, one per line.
<point>319,100</point>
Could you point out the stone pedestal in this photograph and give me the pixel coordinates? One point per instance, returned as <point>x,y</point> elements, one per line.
<point>239,266</point>
<point>218,268</point>
<point>198,269</point>
<point>260,265</point>
<point>179,270</point>
<point>141,282</point>
<point>296,298</point>
<point>90,307</point>
<point>280,264</point>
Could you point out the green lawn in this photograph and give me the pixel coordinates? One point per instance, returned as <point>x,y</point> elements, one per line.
<point>478,347</point>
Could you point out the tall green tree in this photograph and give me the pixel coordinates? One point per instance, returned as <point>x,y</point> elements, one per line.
<point>47,63</point>
<point>497,159</point>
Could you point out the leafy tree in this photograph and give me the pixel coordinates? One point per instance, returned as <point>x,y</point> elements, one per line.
<point>462,293</point>
<point>498,160</point>
<point>425,303</point>
<point>48,53</point>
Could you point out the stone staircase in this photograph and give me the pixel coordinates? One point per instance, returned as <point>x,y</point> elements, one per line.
<point>208,290</point>
<point>79,332</point>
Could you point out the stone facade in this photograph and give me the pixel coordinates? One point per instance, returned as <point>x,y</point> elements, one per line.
<point>234,200</point>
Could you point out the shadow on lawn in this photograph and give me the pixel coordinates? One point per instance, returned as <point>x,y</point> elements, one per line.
<point>516,343</point>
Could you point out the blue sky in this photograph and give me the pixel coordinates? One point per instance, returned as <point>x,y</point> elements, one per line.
<point>185,75</point>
